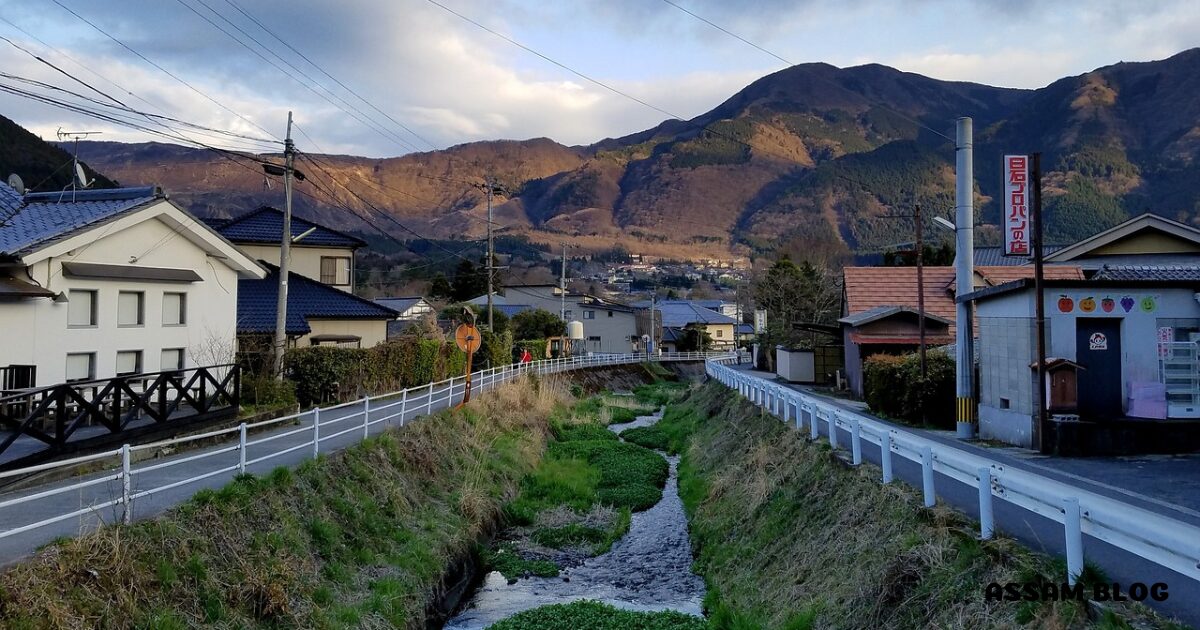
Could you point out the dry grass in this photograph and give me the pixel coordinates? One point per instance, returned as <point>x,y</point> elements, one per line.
<point>788,537</point>
<point>360,538</point>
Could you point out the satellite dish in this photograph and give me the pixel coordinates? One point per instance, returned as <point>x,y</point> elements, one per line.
<point>14,182</point>
<point>81,177</point>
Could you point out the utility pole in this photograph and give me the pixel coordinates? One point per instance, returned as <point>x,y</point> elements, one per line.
<point>562,285</point>
<point>921,294</point>
<point>1039,302</point>
<point>653,345</point>
<point>285,242</point>
<point>491,254</point>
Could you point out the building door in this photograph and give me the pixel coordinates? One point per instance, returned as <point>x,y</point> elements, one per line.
<point>1098,350</point>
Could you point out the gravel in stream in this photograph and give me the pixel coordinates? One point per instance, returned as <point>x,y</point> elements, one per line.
<point>647,569</point>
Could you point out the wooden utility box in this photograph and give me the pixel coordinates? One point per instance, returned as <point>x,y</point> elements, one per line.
<point>1062,385</point>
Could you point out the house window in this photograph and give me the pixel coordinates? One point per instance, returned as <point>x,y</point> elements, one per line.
<point>129,362</point>
<point>568,314</point>
<point>130,311</point>
<point>172,359</point>
<point>610,313</point>
<point>589,314</point>
<point>335,270</point>
<point>594,343</point>
<point>720,332</point>
<point>174,309</point>
<point>81,366</point>
<point>81,309</point>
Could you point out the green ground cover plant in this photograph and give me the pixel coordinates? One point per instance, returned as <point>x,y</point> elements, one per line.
<point>359,538</point>
<point>787,536</point>
<point>592,615</point>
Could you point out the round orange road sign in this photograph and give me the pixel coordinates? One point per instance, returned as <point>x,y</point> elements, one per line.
<point>467,337</point>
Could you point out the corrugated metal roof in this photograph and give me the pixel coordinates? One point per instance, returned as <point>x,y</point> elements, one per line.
<point>43,218</point>
<point>678,314</point>
<point>265,225</point>
<point>306,298</point>
<point>1148,272</point>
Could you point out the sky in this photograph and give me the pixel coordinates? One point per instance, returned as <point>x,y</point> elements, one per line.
<point>429,79</point>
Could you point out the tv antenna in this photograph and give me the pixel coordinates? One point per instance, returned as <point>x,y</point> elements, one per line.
<point>79,178</point>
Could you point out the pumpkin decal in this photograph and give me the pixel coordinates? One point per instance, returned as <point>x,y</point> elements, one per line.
<point>1065,304</point>
<point>1108,304</point>
<point>1087,304</point>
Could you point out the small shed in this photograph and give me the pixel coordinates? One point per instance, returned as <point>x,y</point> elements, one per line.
<point>887,330</point>
<point>1062,384</point>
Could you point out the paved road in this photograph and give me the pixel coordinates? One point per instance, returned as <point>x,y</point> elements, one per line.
<point>1043,534</point>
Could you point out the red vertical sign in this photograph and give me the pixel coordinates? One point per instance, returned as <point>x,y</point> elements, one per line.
<point>1016,205</point>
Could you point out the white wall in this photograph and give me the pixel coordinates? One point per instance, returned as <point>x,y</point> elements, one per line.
<point>615,332</point>
<point>36,332</point>
<point>305,261</point>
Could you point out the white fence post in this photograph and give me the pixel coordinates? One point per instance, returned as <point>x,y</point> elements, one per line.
<point>833,439</point>
<point>813,430</point>
<point>403,405</point>
<point>799,417</point>
<point>366,417</point>
<point>242,448</point>
<point>1074,539</point>
<point>885,456</point>
<point>856,442</point>
<point>987,525</point>
<point>126,486</point>
<point>316,414</point>
<point>429,400</point>
<point>927,476</point>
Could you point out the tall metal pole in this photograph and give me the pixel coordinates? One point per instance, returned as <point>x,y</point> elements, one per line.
<point>285,242</point>
<point>562,286</point>
<point>491,254</point>
<point>1039,302</point>
<point>964,271</point>
<point>653,346</point>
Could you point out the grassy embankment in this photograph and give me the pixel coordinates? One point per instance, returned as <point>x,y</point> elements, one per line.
<point>579,499</point>
<point>359,538</point>
<point>787,536</point>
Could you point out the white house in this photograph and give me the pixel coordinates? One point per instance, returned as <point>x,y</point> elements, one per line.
<point>607,327</point>
<point>98,283</point>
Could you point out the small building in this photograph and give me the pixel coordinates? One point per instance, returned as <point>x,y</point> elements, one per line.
<point>607,327</point>
<point>100,283</point>
<point>317,314</point>
<point>317,252</point>
<point>1133,343</point>
<point>880,308</point>
<point>679,314</point>
<point>411,310</point>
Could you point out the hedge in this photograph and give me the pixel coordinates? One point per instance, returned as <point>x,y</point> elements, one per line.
<point>325,373</point>
<point>893,387</point>
<point>537,347</point>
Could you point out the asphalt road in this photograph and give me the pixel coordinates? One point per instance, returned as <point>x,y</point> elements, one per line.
<point>1035,531</point>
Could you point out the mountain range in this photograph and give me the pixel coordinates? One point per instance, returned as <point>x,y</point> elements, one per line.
<point>814,160</point>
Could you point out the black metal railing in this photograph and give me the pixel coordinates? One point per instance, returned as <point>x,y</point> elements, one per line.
<point>16,377</point>
<point>45,422</point>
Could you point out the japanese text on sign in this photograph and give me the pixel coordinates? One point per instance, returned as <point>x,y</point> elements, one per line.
<point>1016,205</point>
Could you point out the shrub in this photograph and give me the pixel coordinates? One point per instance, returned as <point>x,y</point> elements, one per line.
<point>324,373</point>
<point>893,387</point>
<point>263,390</point>
<point>536,347</point>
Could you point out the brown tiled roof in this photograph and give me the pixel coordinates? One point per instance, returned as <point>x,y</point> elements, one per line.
<point>870,287</point>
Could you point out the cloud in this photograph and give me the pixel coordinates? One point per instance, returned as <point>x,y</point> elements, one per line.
<point>451,82</point>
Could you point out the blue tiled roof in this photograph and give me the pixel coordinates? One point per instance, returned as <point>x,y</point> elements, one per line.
<point>399,304</point>
<point>265,225</point>
<point>1148,272</point>
<point>41,218</point>
<point>306,298</point>
<point>512,309</point>
<point>678,314</point>
<point>994,256</point>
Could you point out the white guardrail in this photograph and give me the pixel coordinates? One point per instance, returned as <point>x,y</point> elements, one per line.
<point>419,400</point>
<point>1165,541</point>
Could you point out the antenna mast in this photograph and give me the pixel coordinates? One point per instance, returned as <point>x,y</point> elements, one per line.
<point>76,176</point>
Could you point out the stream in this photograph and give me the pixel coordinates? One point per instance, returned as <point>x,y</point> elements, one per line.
<point>648,569</point>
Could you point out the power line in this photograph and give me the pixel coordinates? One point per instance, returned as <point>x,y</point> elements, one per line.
<point>322,71</point>
<point>164,70</point>
<point>789,63</point>
<point>356,113</point>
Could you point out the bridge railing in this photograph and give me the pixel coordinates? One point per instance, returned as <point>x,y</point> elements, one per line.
<point>1168,542</point>
<point>314,428</point>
